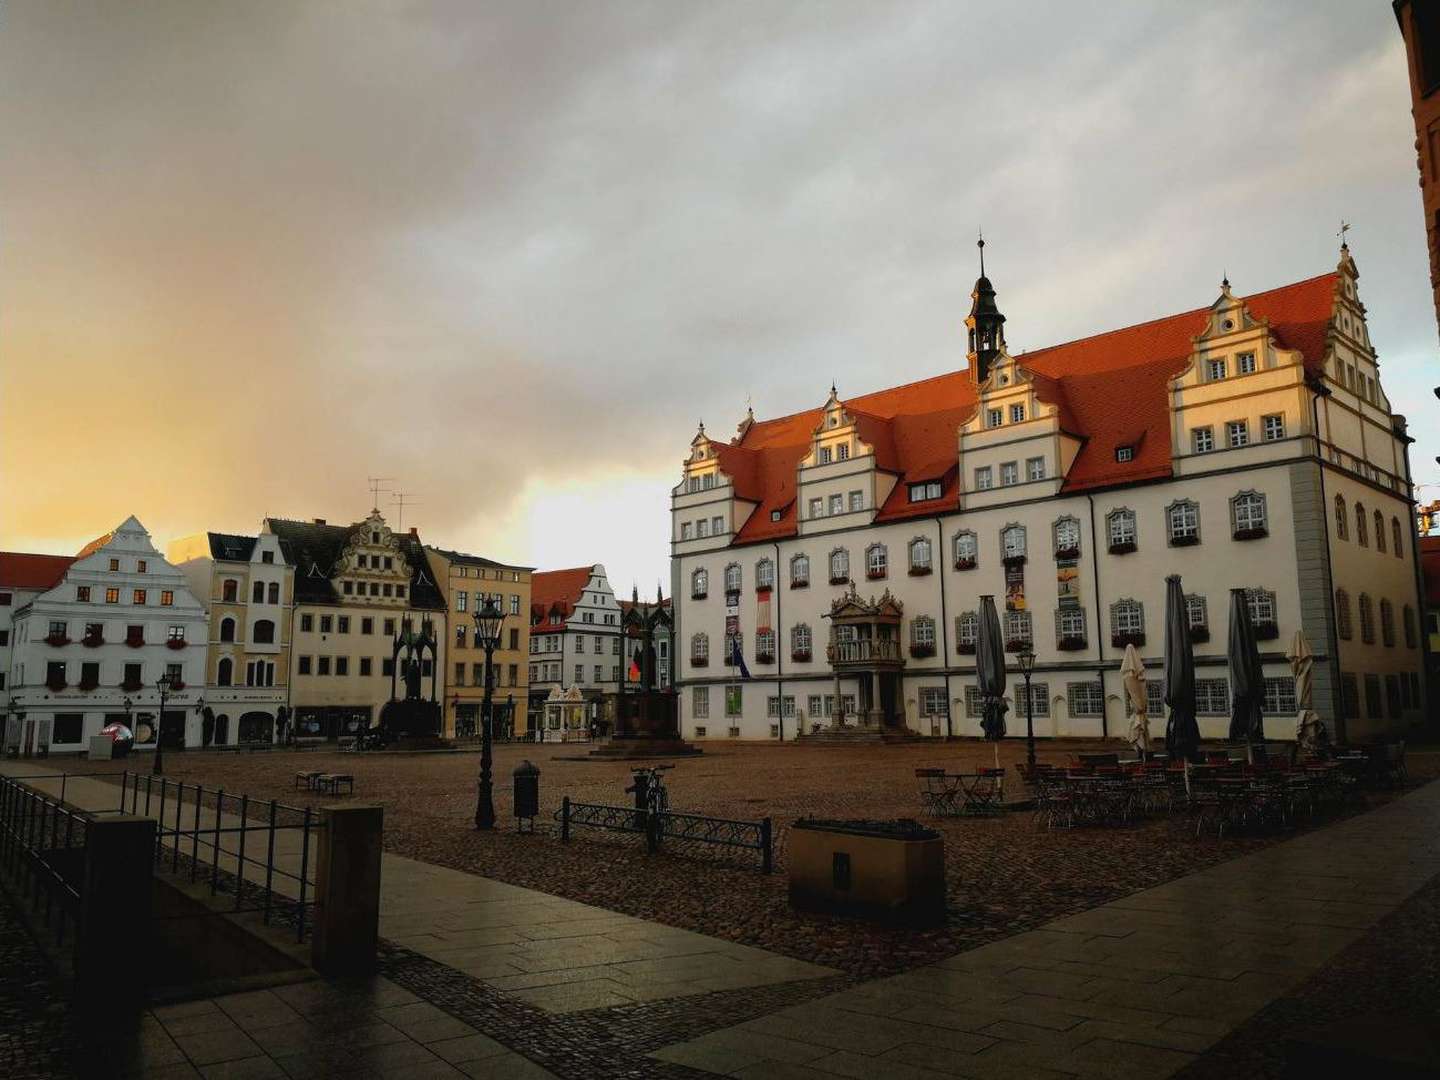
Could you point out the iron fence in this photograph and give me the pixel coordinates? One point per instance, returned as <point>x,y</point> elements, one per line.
<point>42,847</point>
<point>661,826</point>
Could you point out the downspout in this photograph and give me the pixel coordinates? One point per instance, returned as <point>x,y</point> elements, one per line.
<point>939,556</point>
<point>1337,695</point>
<point>1099,635</point>
<point>779,652</point>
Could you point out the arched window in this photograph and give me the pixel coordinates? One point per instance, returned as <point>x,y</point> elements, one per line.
<point>1248,519</point>
<point>1182,523</point>
<point>967,630</point>
<point>225,672</point>
<point>257,593</point>
<point>967,550</point>
<point>263,632</point>
<point>1342,519</point>
<point>839,567</point>
<point>920,560</point>
<point>1263,619</point>
<point>1067,538</point>
<point>1127,623</point>
<point>1396,538</point>
<point>699,584</point>
<point>1379,532</point>
<point>1387,623</point>
<point>877,561</point>
<point>230,591</point>
<point>800,642</point>
<point>922,636</point>
<point>1409,621</point>
<point>732,578</point>
<point>227,629</point>
<point>799,571</point>
<point>1012,543</point>
<point>1342,614</point>
<point>273,592</point>
<point>1367,620</point>
<point>1360,529</point>
<point>764,574</point>
<point>699,649</point>
<point>1120,528</point>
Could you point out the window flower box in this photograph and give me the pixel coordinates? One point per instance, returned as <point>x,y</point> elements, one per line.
<point>698,595</point>
<point>800,583</point>
<point>1070,643</point>
<point>93,641</point>
<point>57,640</point>
<point>1121,640</point>
<point>1123,548</point>
<point>920,651</point>
<point>800,655</point>
<point>919,571</point>
<point>1251,534</point>
<point>964,564</point>
<point>699,661</point>
<point>965,648</point>
<point>839,580</point>
<point>55,682</point>
<point>135,641</point>
<point>1067,553</point>
<point>89,684</point>
<point>1014,560</point>
<point>764,657</point>
<point>176,643</point>
<point>1266,631</point>
<point>1199,634</point>
<point>1188,540</point>
<point>874,575</point>
<point>131,685</point>
<point>1016,645</point>
<point>177,684</point>
<point>764,590</point>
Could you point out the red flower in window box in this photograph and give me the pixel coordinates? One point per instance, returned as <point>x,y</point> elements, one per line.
<point>1121,640</point>
<point>839,580</point>
<point>131,685</point>
<point>89,682</point>
<point>874,575</point>
<point>801,655</point>
<point>921,651</point>
<point>177,684</point>
<point>1251,534</point>
<point>1199,633</point>
<point>1016,645</point>
<point>1188,540</point>
<point>763,590</point>
<point>1014,560</point>
<point>93,640</point>
<point>965,648</point>
<point>1067,553</point>
<point>919,571</point>
<point>1124,548</point>
<point>56,681</point>
<point>134,640</point>
<point>57,640</point>
<point>1266,631</point>
<point>176,643</point>
<point>1070,643</point>
<point>764,657</point>
<point>964,564</point>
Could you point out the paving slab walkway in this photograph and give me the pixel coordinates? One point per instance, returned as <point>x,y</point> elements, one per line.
<point>1137,988</point>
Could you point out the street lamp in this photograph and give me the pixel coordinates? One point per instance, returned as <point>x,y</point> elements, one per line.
<point>488,618</point>
<point>157,766</point>
<point>1026,660</point>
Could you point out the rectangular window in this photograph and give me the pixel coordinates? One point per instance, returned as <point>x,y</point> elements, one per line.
<point>82,594</point>
<point>700,702</point>
<point>1212,697</point>
<point>367,625</point>
<point>1009,474</point>
<point>365,666</point>
<point>68,727</point>
<point>1085,698</point>
<point>717,526</point>
<point>304,665</point>
<point>842,452</point>
<point>817,508</point>
<point>342,624</point>
<point>984,478</point>
<point>1280,696</point>
<point>342,665</point>
<point>140,566</point>
<point>1272,427</point>
<point>1245,363</point>
<point>138,596</point>
<point>1202,439</point>
<point>348,587</point>
<point>1017,413</point>
<point>1124,453</point>
<point>175,633</point>
<point>994,418</point>
<point>837,504</point>
<point>857,501</point>
<point>932,701</point>
<point>734,699</point>
<point>1039,698</point>
<point>685,530</point>
<point>1215,370</point>
<point>114,564</point>
<point>327,623</point>
<point>1035,468</point>
<point>1372,697</point>
<point>167,598</point>
<point>112,596</point>
<point>323,667</point>
<point>1237,432</point>
<point>461,599</point>
<point>824,458</point>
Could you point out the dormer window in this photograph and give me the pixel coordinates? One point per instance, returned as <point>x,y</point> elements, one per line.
<point>834,420</point>
<point>1215,370</point>
<point>1017,413</point>
<point>994,418</point>
<point>928,490</point>
<point>774,515</point>
<point>1245,363</point>
<point>842,451</point>
<point>374,538</point>
<point>1124,453</point>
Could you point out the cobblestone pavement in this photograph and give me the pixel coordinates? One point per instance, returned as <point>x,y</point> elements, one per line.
<point>35,1031</point>
<point>1003,874</point>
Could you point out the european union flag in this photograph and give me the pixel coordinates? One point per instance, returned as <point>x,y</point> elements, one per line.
<point>737,658</point>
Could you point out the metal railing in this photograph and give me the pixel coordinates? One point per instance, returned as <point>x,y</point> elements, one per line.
<point>42,846</point>
<point>659,826</point>
<point>863,651</point>
<point>194,818</point>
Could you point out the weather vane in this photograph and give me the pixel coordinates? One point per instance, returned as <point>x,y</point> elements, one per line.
<point>1344,228</point>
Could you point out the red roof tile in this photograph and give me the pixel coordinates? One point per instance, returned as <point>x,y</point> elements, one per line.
<point>20,570</point>
<point>1111,390</point>
<point>553,596</point>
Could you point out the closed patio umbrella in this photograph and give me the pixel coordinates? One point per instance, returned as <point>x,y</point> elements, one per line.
<point>990,674</point>
<point>1247,677</point>
<point>1182,734</point>
<point>1132,674</point>
<point>1309,731</point>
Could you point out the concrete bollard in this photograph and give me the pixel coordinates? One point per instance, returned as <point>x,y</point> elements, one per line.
<point>347,891</point>
<point>113,941</point>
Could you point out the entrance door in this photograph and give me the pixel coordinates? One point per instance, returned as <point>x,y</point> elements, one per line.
<point>172,729</point>
<point>222,729</point>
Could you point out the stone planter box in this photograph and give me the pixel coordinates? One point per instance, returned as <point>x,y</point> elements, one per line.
<point>888,871</point>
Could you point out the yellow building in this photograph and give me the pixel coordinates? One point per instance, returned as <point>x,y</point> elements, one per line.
<point>466,581</point>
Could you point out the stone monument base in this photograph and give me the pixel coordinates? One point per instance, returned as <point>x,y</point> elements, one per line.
<point>635,747</point>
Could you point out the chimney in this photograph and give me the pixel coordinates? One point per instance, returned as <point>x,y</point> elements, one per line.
<point>319,521</point>
<point>415,532</point>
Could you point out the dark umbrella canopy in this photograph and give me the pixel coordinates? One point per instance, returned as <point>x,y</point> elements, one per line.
<point>1247,678</point>
<point>990,670</point>
<point>1182,734</point>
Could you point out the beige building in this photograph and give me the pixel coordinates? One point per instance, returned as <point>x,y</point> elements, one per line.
<point>1246,444</point>
<point>466,581</point>
<point>246,584</point>
<point>357,588</point>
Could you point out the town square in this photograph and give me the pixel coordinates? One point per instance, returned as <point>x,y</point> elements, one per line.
<point>760,540</point>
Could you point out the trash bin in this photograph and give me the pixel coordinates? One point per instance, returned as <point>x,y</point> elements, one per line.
<point>527,795</point>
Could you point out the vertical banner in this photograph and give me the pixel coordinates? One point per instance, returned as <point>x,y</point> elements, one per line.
<point>1067,582</point>
<point>1015,586</point>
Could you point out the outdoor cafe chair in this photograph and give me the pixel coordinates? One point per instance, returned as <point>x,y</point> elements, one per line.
<point>937,793</point>
<point>982,791</point>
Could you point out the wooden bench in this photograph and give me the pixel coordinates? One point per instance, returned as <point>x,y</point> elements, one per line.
<point>329,783</point>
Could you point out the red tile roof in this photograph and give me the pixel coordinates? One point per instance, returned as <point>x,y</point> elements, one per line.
<point>1111,390</point>
<point>20,570</point>
<point>553,596</point>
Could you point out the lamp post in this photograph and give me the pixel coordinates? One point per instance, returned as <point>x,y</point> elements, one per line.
<point>1026,660</point>
<point>157,766</point>
<point>487,635</point>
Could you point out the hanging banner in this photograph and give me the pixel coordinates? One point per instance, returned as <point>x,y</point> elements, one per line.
<point>1015,587</point>
<point>1067,582</point>
<point>762,610</point>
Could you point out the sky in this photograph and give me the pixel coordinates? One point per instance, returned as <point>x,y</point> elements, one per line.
<point>510,254</point>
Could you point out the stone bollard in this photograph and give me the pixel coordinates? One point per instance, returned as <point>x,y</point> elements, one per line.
<point>347,891</point>
<point>113,941</point>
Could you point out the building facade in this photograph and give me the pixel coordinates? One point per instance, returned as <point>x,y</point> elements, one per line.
<point>356,588</point>
<point>467,581</point>
<point>834,559</point>
<point>1420,27</point>
<point>575,641</point>
<point>247,585</point>
<point>90,650</point>
<point>23,576</point>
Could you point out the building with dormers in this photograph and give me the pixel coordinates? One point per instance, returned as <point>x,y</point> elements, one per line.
<point>1245,444</point>
<point>575,641</point>
<point>89,650</point>
<point>356,587</point>
<point>247,585</point>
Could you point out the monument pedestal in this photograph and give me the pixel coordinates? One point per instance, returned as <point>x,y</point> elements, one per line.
<point>646,726</point>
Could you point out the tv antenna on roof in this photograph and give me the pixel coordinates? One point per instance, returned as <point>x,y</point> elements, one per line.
<point>376,487</point>
<point>401,499</point>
